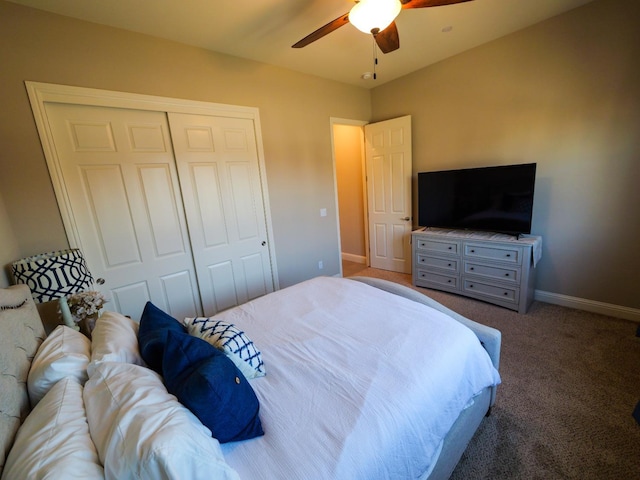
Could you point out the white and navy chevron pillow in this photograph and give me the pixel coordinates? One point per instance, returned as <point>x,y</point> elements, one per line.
<point>232,341</point>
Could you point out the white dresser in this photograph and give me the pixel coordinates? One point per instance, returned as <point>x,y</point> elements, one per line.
<point>496,268</point>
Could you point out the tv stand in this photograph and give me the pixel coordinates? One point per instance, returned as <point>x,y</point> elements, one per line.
<point>492,267</point>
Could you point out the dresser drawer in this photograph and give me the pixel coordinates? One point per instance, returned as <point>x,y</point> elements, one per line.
<point>503,254</point>
<point>429,262</point>
<point>505,294</point>
<point>505,274</point>
<point>442,280</point>
<point>440,246</point>
<point>485,266</point>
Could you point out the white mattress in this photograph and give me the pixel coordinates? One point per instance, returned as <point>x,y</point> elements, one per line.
<point>360,384</point>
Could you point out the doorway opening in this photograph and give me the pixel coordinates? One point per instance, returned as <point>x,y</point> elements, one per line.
<point>373,171</point>
<point>350,178</point>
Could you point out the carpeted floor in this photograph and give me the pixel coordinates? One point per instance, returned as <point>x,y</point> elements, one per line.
<point>570,382</point>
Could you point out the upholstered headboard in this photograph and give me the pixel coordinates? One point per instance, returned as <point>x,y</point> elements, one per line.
<point>21,333</point>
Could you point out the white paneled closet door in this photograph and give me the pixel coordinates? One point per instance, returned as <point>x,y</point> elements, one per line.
<point>119,174</point>
<point>217,163</point>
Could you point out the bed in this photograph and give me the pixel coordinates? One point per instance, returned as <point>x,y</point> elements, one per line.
<point>357,379</point>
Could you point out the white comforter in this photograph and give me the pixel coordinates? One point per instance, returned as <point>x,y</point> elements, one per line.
<point>360,384</point>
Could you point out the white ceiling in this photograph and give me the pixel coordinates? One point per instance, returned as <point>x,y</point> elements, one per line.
<point>264,30</point>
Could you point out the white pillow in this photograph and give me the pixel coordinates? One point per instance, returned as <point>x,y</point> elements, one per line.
<point>142,431</point>
<point>54,442</point>
<point>64,353</point>
<point>115,339</point>
<point>231,340</point>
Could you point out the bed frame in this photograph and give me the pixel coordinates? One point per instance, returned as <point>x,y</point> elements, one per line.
<point>22,332</point>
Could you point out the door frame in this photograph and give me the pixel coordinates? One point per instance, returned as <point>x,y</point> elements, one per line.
<point>355,123</point>
<point>41,93</point>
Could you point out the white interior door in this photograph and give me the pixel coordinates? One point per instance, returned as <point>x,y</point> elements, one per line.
<point>119,174</point>
<point>218,168</point>
<point>389,169</point>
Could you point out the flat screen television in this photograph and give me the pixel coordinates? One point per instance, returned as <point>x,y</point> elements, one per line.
<point>496,199</point>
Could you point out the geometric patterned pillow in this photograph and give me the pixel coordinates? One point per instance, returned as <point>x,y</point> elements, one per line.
<point>229,339</point>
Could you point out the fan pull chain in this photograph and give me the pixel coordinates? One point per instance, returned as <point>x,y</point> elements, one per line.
<point>375,56</point>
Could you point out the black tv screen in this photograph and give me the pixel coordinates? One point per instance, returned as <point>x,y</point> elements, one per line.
<point>496,199</point>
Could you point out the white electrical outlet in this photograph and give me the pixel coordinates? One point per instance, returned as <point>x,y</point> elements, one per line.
<point>323,212</point>
<point>320,265</point>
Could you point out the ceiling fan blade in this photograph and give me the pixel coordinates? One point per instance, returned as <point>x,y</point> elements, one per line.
<point>429,3</point>
<point>322,31</point>
<point>388,39</point>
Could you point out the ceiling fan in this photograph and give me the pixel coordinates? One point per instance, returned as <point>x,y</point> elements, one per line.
<point>375,17</point>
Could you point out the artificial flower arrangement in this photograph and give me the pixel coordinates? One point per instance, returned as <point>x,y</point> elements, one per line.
<point>85,308</point>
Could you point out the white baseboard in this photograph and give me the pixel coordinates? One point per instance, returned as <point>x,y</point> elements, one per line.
<point>588,305</point>
<point>350,257</point>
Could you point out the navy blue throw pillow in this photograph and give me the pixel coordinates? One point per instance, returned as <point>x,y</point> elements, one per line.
<point>152,334</point>
<point>209,384</point>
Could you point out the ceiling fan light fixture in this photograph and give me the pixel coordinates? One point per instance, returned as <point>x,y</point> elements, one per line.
<point>374,15</point>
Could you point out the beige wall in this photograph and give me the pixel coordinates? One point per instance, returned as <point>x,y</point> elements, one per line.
<point>295,112</point>
<point>9,250</point>
<point>348,145</point>
<point>566,94</point>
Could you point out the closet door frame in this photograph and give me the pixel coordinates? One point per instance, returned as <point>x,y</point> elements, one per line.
<point>41,93</point>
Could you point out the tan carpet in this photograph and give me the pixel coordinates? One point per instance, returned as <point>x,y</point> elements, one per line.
<point>570,382</point>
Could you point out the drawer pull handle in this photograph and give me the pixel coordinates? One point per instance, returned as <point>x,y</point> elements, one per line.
<point>508,255</point>
<point>506,274</point>
<point>449,265</point>
<point>450,248</point>
<point>471,269</point>
<point>473,251</point>
<point>506,293</point>
<point>448,281</point>
<point>470,286</point>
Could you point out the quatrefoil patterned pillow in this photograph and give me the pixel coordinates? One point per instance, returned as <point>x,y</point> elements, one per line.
<point>232,341</point>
